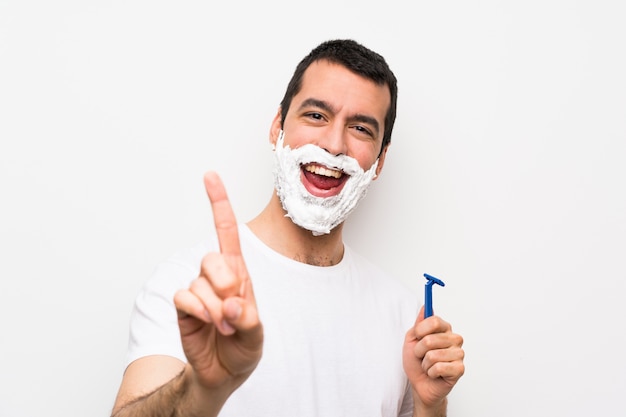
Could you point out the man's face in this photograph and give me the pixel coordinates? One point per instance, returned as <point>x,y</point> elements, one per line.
<point>340,112</point>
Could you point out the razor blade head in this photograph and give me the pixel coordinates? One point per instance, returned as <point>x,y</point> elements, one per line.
<point>432,280</point>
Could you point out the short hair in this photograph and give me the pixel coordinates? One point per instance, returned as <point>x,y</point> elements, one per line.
<point>356,58</point>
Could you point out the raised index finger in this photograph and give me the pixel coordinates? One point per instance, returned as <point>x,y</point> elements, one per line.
<point>223,215</point>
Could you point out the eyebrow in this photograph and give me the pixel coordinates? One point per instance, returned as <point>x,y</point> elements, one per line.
<point>321,104</point>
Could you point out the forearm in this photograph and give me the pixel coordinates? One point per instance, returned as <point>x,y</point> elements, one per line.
<point>181,396</point>
<point>440,410</point>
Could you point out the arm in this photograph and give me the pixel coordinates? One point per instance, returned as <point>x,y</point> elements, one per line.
<point>145,376</point>
<point>220,331</point>
<point>175,396</point>
<point>433,361</point>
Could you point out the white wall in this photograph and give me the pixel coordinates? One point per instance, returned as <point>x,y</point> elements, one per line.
<point>505,179</point>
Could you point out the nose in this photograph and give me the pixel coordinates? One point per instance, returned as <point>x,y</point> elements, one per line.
<point>334,142</point>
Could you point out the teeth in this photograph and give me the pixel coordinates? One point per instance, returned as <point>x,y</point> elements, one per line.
<point>319,170</point>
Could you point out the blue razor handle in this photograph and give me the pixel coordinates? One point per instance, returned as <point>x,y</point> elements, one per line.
<point>428,296</point>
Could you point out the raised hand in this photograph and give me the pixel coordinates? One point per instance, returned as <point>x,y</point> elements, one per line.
<point>433,360</point>
<point>220,329</point>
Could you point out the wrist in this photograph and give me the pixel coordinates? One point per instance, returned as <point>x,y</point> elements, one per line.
<point>202,400</point>
<point>438,409</point>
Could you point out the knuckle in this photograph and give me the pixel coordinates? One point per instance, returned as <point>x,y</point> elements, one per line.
<point>440,323</point>
<point>225,223</point>
<point>428,342</point>
<point>197,285</point>
<point>461,354</point>
<point>460,370</point>
<point>431,357</point>
<point>179,296</point>
<point>224,287</point>
<point>435,370</point>
<point>216,273</point>
<point>207,262</point>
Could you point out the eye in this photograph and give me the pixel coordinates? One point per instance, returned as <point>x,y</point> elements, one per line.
<point>363,130</point>
<point>315,116</point>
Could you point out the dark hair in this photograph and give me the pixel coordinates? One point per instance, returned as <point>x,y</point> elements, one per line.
<point>358,59</point>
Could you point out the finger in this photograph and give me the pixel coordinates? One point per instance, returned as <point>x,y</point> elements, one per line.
<point>201,288</point>
<point>437,341</point>
<point>434,357</point>
<point>223,215</point>
<point>215,269</point>
<point>238,312</point>
<point>241,313</point>
<point>431,325</point>
<point>243,316</point>
<point>450,371</point>
<point>188,304</point>
<point>247,292</point>
<point>420,316</point>
<point>411,334</point>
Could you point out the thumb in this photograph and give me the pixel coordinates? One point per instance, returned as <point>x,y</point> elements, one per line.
<point>420,316</point>
<point>411,334</point>
<point>240,311</point>
<point>243,317</point>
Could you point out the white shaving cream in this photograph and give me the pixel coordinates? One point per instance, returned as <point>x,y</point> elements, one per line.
<point>318,214</point>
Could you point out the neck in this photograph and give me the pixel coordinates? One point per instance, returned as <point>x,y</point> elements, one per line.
<point>285,237</point>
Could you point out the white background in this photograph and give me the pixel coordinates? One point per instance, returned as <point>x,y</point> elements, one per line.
<point>505,178</point>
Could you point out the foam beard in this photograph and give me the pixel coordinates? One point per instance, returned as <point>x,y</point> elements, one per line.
<point>318,214</point>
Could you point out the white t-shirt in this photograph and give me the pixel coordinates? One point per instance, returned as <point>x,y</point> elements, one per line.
<point>333,335</point>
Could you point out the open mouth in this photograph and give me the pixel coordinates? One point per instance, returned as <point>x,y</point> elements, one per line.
<point>323,181</point>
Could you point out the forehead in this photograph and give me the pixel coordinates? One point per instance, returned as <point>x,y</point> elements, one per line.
<point>344,90</point>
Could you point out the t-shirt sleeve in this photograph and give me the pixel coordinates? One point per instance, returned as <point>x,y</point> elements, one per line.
<point>406,409</point>
<point>153,321</point>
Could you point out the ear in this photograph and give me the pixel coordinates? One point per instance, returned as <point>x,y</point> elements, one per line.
<point>381,161</point>
<point>276,127</point>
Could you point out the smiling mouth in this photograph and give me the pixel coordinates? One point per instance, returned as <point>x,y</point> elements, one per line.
<point>323,171</point>
<point>323,178</point>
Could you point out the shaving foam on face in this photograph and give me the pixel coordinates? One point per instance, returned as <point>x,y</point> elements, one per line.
<point>318,214</point>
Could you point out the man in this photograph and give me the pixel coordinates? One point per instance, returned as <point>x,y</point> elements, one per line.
<point>277,317</point>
